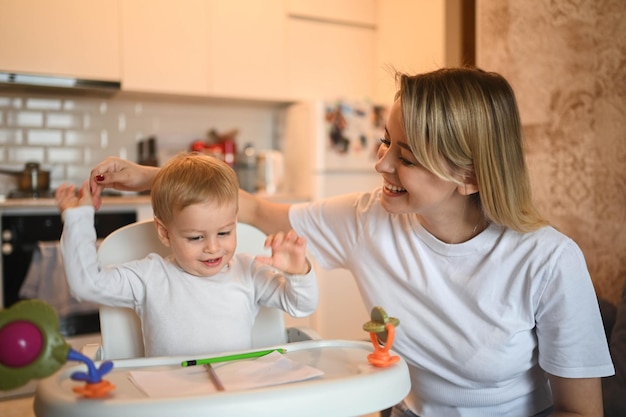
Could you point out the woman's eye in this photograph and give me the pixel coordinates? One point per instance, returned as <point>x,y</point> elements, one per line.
<point>406,162</point>
<point>385,142</point>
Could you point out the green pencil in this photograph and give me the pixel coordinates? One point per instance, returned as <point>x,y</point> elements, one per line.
<point>234,357</point>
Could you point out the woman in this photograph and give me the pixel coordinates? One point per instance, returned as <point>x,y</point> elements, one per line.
<point>498,311</point>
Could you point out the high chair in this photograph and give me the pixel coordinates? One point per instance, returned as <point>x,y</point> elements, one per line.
<point>120,327</point>
<point>349,386</point>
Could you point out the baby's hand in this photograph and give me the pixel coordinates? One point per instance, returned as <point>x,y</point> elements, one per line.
<point>288,253</point>
<point>65,196</point>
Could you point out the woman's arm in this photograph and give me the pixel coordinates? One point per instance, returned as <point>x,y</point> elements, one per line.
<point>266,215</point>
<point>122,174</point>
<point>580,397</point>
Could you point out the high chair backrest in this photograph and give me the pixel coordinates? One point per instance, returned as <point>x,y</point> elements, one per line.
<point>120,327</point>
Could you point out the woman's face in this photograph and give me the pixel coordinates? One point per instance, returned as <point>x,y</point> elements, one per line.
<point>407,186</point>
<point>203,237</point>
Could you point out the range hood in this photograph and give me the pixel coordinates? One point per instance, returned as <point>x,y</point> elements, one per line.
<point>23,82</point>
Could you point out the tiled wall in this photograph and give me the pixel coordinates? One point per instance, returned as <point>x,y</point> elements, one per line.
<point>69,134</point>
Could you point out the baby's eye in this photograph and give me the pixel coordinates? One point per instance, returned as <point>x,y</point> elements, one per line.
<point>194,238</point>
<point>224,233</point>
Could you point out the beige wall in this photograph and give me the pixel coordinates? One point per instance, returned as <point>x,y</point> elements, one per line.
<point>565,61</point>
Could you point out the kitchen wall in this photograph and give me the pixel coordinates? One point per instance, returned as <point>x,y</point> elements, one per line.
<point>565,61</point>
<point>69,134</point>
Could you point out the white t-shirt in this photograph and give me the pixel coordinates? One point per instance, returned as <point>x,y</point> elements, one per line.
<point>480,321</point>
<point>182,314</point>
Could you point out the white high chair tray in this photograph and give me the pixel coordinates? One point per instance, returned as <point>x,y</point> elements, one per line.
<point>350,386</point>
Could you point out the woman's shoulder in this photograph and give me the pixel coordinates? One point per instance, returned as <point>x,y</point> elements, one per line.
<point>547,240</point>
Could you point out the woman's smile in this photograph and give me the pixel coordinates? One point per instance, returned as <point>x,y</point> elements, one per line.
<point>393,189</point>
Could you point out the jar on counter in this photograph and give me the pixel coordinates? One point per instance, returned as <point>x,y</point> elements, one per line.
<point>246,168</point>
<point>269,172</point>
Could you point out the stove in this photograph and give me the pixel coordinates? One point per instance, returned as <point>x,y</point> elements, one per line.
<point>31,194</point>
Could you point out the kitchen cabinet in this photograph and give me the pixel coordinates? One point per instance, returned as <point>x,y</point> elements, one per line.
<point>411,37</point>
<point>165,46</point>
<point>222,48</point>
<point>248,49</point>
<point>358,12</point>
<point>331,47</point>
<point>62,37</point>
<point>329,60</point>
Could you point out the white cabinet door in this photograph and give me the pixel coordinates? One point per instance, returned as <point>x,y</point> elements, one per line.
<point>165,46</point>
<point>361,12</point>
<point>247,49</point>
<point>62,37</point>
<point>327,60</point>
<point>411,38</point>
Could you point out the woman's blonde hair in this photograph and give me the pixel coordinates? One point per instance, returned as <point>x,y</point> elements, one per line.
<point>463,124</point>
<point>191,178</point>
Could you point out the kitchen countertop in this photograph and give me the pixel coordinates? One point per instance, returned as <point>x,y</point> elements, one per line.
<point>48,205</point>
<point>49,202</point>
<point>116,201</point>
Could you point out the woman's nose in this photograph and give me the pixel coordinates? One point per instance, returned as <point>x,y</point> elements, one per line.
<point>383,164</point>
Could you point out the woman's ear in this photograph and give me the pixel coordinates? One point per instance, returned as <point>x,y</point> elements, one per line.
<point>469,185</point>
<point>164,235</point>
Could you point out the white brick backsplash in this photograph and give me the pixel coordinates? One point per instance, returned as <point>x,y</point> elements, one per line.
<point>79,173</point>
<point>26,118</point>
<point>43,104</point>
<point>65,155</point>
<point>61,120</point>
<point>45,137</point>
<point>104,139</point>
<point>68,135</point>
<point>24,154</point>
<point>6,136</point>
<point>121,122</point>
<point>82,138</point>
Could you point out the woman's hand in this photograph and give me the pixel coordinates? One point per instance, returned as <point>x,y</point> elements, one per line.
<point>119,174</point>
<point>65,196</point>
<point>288,253</point>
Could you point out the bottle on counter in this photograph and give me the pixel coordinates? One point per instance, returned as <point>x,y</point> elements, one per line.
<point>147,152</point>
<point>151,156</point>
<point>228,146</point>
<point>147,155</point>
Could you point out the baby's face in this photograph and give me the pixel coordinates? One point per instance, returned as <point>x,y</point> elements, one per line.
<point>203,237</point>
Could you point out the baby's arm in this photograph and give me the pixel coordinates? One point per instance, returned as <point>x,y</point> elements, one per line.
<point>288,253</point>
<point>87,281</point>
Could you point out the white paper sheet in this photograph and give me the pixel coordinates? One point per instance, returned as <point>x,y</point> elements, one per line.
<point>272,369</point>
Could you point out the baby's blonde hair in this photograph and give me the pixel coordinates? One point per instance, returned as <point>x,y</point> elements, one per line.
<point>191,178</point>
<point>464,123</point>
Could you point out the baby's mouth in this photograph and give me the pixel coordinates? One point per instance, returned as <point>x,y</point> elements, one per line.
<point>212,262</point>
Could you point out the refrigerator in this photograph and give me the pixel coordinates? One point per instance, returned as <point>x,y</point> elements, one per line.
<point>330,149</point>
